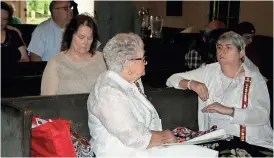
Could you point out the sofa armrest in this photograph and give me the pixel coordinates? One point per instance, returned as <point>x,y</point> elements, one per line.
<point>16,131</point>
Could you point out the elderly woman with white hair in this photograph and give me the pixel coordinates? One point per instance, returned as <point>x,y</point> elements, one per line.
<point>232,95</point>
<point>121,120</point>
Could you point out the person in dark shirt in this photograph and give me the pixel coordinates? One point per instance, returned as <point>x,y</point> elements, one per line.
<point>12,46</point>
<point>247,31</point>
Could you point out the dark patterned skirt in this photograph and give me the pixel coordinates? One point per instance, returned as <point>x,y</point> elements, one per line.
<point>237,148</point>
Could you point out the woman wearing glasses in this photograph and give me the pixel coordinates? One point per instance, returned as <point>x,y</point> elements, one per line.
<point>122,121</point>
<point>232,95</point>
<point>76,67</point>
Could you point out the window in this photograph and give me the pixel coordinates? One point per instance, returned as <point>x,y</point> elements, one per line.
<point>85,6</point>
<point>225,11</point>
<point>37,11</point>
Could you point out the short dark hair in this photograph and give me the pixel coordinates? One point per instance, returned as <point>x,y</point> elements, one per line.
<point>245,27</point>
<point>73,26</point>
<point>7,8</point>
<point>53,2</point>
<point>51,5</point>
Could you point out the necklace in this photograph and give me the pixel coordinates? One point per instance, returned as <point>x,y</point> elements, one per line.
<point>222,95</point>
<point>139,88</point>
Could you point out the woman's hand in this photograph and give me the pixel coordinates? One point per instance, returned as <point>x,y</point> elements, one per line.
<point>218,108</point>
<point>200,89</point>
<point>161,137</point>
<point>24,60</point>
<point>170,138</point>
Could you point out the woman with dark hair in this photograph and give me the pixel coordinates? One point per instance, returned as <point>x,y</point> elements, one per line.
<point>12,46</point>
<point>76,67</point>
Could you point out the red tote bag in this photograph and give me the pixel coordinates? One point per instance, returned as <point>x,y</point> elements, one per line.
<point>52,139</point>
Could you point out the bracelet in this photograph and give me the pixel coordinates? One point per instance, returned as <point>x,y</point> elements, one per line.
<point>233,110</point>
<point>188,84</point>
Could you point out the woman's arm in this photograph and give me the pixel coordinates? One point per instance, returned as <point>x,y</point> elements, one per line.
<point>257,112</point>
<point>19,43</point>
<point>50,79</point>
<point>161,137</point>
<point>18,32</point>
<point>198,87</point>
<point>179,80</point>
<point>24,56</point>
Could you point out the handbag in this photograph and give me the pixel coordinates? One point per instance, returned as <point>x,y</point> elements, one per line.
<point>81,145</point>
<point>245,105</point>
<point>51,138</point>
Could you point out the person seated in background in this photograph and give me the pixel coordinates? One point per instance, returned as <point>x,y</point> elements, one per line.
<point>220,90</point>
<point>12,46</point>
<point>15,19</point>
<point>76,68</point>
<point>247,31</point>
<point>198,51</point>
<point>121,119</point>
<point>46,38</point>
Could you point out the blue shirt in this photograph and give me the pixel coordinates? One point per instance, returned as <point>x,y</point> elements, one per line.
<point>46,40</point>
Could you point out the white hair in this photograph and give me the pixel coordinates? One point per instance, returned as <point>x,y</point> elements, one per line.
<point>236,39</point>
<point>121,47</point>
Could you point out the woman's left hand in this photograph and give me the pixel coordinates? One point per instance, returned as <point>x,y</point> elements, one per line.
<point>218,108</point>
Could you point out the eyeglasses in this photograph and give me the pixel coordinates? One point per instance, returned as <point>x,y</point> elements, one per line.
<point>66,8</point>
<point>143,59</point>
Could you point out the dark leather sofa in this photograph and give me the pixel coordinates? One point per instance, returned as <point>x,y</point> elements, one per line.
<point>175,108</point>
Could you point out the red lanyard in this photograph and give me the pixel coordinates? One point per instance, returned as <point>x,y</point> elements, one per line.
<point>245,105</point>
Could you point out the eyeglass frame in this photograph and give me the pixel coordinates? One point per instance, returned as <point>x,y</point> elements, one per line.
<point>66,8</point>
<point>143,58</point>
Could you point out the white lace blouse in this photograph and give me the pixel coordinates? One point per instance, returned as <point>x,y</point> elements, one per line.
<point>121,120</point>
<point>229,92</point>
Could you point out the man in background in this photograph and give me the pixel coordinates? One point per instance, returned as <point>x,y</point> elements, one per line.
<point>115,17</point>
<point>47,37</point>
<point>247,31</point>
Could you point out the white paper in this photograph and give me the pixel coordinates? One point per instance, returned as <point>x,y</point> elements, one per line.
<point>209,137</point>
